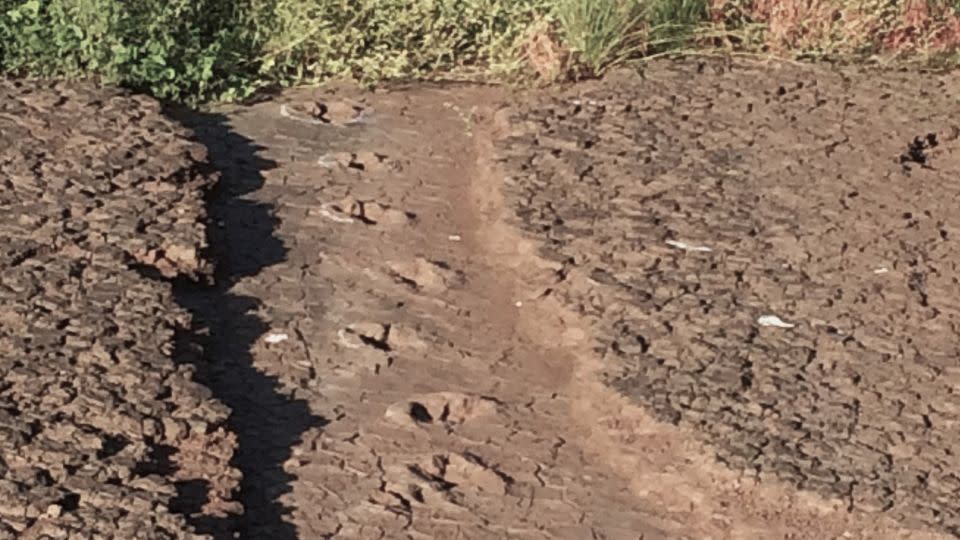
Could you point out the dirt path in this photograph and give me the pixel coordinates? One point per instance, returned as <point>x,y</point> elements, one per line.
<point>398,368</point>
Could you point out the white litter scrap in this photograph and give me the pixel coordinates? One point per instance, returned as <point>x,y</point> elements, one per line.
<point>881,270</point>
<point>455,238</point>
<point>687,247</point>
<point>774,321</point>
<point>273,339</point>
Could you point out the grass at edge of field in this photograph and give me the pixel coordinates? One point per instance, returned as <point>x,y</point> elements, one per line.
<point>194,51</point>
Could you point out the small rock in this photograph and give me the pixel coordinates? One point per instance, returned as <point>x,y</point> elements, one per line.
<point>379,213</point>
<point>174,429</point>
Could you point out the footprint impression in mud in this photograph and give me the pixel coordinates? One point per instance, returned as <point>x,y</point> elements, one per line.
<point>366,334</point>
<point>364,161</point>
<point>426,275</point>
<point>449,480</point>
<point>351,210</point>
<point>333,112</point>
<point>379,342</point>
<point>445,481</point>
<point>448,409</point>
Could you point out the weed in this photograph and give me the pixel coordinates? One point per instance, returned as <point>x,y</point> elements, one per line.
<point>673,22</point>
<point>601,33</point>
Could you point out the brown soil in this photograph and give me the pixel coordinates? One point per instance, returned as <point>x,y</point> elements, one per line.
<point>103,432</point>
<point>466,380</point>
<point>453,313</point>
<point>827,199</point>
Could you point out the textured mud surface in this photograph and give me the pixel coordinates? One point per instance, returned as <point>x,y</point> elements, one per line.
<point>685,205</point>
<point>362,333</point>
<point>401,363</point>
<point>103,433</point>
<point>439,316</point>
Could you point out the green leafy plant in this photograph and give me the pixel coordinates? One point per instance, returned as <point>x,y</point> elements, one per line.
<point>195,50</point>
<point>376,39</point>
<point>176,49</point>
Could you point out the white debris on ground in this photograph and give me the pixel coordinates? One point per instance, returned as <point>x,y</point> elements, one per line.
<point>687,247</point>
<point>333,216</point>
<point>774,321</point>
<point>275,338</point>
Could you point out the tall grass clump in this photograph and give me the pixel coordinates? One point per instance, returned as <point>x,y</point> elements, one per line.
<point>602,34</point>
<point>672,23</point>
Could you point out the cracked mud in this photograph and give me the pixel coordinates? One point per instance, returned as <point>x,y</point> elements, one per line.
<point>712,301</point>
<point>799,187</point>
<point>104,434</point>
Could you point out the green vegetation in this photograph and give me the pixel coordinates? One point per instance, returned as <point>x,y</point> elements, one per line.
<point>196,50</point>
<point>199,50</point>
<point>601,33</point>
<point>178,49</point>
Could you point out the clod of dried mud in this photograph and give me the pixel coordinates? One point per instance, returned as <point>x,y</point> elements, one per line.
<point>103,432</point>
<point>683,213</point>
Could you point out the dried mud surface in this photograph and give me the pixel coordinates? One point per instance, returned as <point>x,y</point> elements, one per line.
<point>686,204</point>
<point>367,349</point>
<point>103,432</point>
<point>429,300</point>
<point>443,312</point>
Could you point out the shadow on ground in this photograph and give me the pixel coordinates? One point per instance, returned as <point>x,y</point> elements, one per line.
<point>266,421</point>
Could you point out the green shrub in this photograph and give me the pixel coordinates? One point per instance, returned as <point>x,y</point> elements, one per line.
<point>175,49</point>
<point>376,39</point>
<point>191,50</point>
